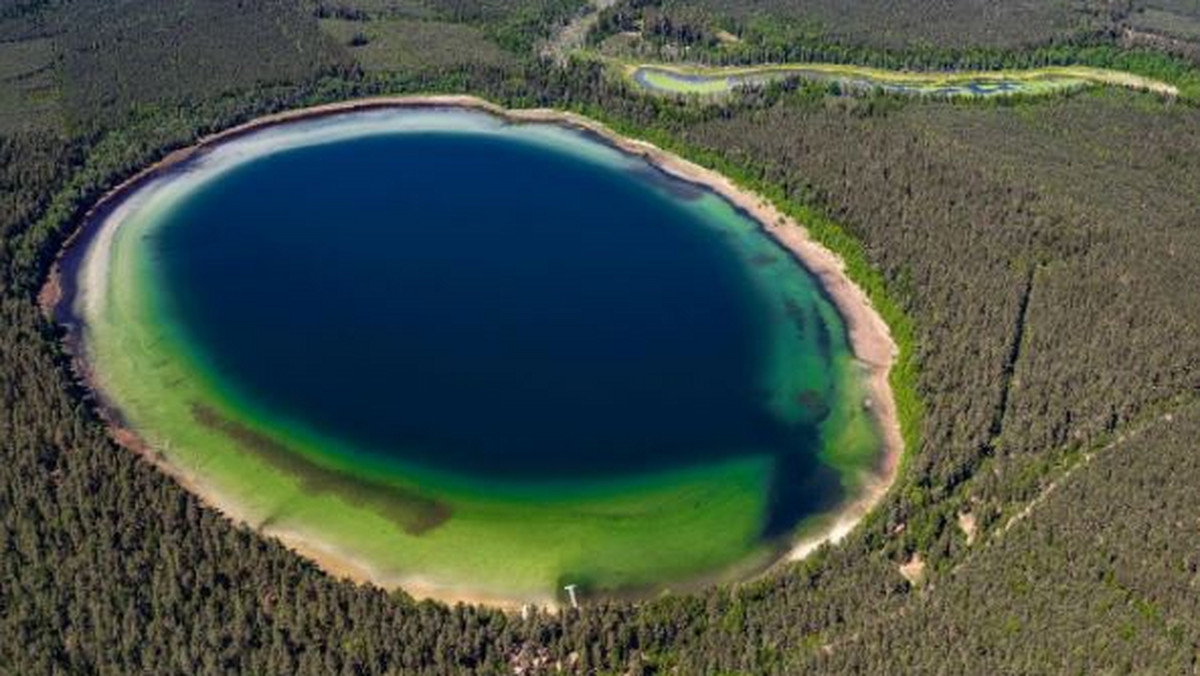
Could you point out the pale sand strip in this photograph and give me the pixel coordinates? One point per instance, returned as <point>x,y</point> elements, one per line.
<point>868,334</point>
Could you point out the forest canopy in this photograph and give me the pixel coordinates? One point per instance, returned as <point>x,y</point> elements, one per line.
<point>1038,258</point>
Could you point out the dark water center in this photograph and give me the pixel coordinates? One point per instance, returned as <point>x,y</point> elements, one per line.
<point>479,305</point>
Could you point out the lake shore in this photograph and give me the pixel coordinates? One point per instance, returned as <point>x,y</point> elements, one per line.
<point>867,333</point>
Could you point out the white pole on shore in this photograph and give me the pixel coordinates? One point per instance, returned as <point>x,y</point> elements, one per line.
<point>571,592</point>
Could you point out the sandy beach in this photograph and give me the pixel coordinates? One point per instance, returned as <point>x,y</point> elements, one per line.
<point>869,336</point>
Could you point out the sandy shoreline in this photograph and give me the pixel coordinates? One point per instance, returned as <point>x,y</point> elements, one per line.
<point>868,335</point>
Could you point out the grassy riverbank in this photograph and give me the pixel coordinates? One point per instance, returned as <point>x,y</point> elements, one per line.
<point>711,81</point>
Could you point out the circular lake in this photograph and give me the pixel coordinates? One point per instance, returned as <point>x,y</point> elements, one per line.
<point>474,358</point>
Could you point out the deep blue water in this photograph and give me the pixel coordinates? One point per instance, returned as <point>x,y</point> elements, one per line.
<point>478,305</point>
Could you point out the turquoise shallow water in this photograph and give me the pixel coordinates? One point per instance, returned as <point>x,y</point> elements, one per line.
<point>405,300</point>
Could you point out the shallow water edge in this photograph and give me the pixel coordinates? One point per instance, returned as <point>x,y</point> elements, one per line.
<point>867,334</point>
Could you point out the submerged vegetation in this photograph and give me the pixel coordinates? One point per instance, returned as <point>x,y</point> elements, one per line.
<point>1045,252</point>
<point>760,418</point>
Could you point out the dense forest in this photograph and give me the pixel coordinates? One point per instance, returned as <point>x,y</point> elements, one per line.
<point>925,27</point>
<point>1038,258</point>
<point>965,23</point>
<point>916,34</point>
